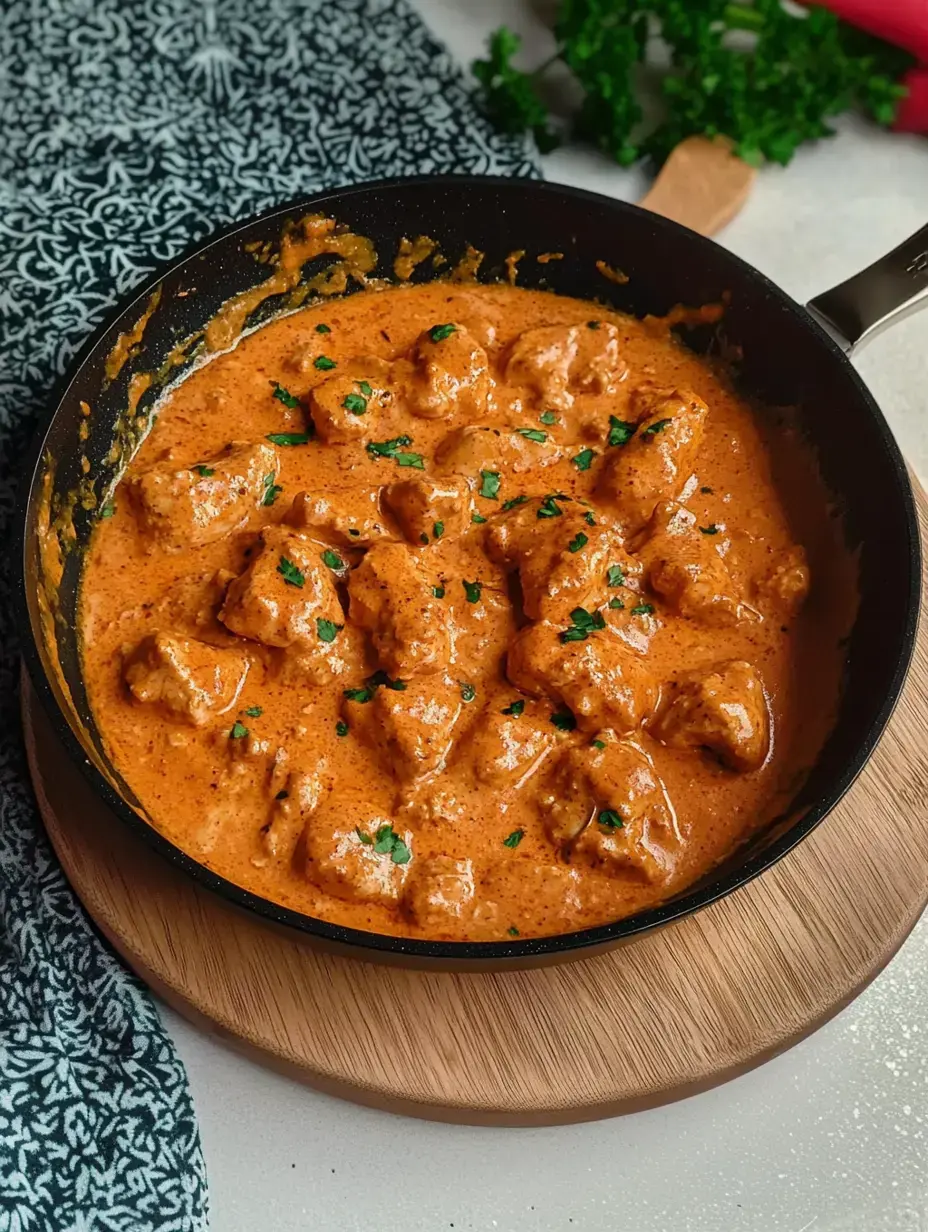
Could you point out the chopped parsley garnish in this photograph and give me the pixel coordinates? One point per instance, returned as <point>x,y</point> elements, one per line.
<point>620,432</point>
<point>706,491</point>
<point>584,459</point>
<point>615,575</point>
<point>533,434</point>
<point>254,712</point>
<point>423,538</point>
<point>107,510</point>
<point>616,604</point>
<point>578,542</point>
<point>599,744</point>
<point>438,592</point>
<point>512,931</point>
<point>515,709</point>
<point>658,426</point>
<point>609,819</point>
<point>709,530</point>
<point>592,324</point>
<point>438,333</point>
<point>438,529</point>
<point>206,472</point>
<point>549,508</point>
<point>414,460</point>
<point>583,623</point>
<point>324,364</point>
<point>588,518</point>
<point>271,489</point>
<point>285,396</point>
<point>514,839</point>
<point>477,518</point>
<point>323,329</point>
<point>332,559</point>
<point>364,836</point>
<point>468,692</point>
<point>563,720</point>
<point>643,609</point>
<point>328,630</point>
<point>239,731</point>
<point>489,485</point>
<point>388,843</point>
<point>388,449</point>
<point>371,685</point>
<point>548,417</point>
<point>515,500</point>
<point>342,728</point>
<point>290,573</point>
<point>355,404</point>
<point>472,591</point>
<point>366,388</point>
<point>289,438</point>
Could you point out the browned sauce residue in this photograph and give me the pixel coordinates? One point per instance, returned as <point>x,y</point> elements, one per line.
<point>125,343</point>
<point>614,275</point>
<point>464,612</point>
<point>410,254</point>
<point>544,257</point>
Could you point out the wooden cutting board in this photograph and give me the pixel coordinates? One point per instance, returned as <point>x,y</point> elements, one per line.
<point>668,1015</point>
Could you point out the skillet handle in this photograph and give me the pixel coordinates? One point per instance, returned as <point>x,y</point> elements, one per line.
<point>879,296</point>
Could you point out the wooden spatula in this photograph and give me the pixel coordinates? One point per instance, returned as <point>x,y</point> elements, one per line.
<point>702,185</point>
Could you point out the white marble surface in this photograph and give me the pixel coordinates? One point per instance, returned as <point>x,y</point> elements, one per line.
<point>830,1137</point>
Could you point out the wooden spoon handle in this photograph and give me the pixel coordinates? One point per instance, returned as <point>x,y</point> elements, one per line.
<point>702,185</point>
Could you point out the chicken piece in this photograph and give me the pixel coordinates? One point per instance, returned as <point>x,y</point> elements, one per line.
<point>556,359</point>
<point>427,511</point>
<point>685,568</point>
<point>468,451</point>
<point>510,742</point>
<point>292,808</point>
<point>448,374</point>
<point>392,598</point>
<point>353,403</point>
<point>193,506</point>
<point>411,725</point>
<point>609,809</point>
<point>599,679</point>
<point>656,463</point>
<point>785,585</point>
<point>190,680</point>
<point>724,709</point>
<point>439,892</point>
<point>284,594</point>
<point>350,517</point>
<point>562,560</point>
<point>354,854</point>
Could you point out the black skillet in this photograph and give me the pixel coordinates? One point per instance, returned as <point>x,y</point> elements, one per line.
<point>789,358</point>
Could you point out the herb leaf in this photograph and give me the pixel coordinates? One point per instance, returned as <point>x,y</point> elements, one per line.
<point>364,836</point>
<point>616,604</point>
<point>438,529</point>
<point>533,434</point>
<point>477,518</point>
<point>489,485</point>
<point>548,417</point>
<point>583,460</point>
<point>342,728</point>
<point>609,819</point>
<point>472,591</point>
<point>206,472</point>
<point>328,630</point>
<point>321,328</point>
<point>438,592</point>
<point>239,731</point>
<point>366,388</point>
<point>388,843</point>
<point>254,712</point>
<point>512,931</point>
<point>324,364</point>
<point>332,559</point>
<point>107,510</point>
<point>285,396</point>
<point>415,460</point>
<point>468,692</point>
<point>271,489</point>
<point>578,542</point>
<point>549,508</point>
<point>515,709</point>
<point>643,609</point>
<point>563,720</point>
<point>514,839</point>
<point>583,623</point>
<point>709,530</point>
<point>658,426</point>
<point>355,404</point>
<point>289,438</point>
<point>290,573</point>
<point>620,432</point>
<point>513,501</point>
<point>615,575</point>
<point>438,333</point>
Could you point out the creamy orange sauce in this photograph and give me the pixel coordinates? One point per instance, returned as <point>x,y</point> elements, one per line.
<point>472,684</point>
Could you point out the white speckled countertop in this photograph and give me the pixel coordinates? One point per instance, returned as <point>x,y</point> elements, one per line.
<point>830,1137</point>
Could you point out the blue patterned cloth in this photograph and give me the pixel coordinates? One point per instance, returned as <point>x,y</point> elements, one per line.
<point>128,128</point>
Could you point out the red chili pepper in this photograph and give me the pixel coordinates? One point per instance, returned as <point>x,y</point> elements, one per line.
<point>912,116</point>
<point>903,22</point>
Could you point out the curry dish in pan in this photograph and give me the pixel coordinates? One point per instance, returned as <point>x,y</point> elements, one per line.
<point>464,613</point>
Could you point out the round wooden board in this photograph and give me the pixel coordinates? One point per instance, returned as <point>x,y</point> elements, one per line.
<point>671,1014</point>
